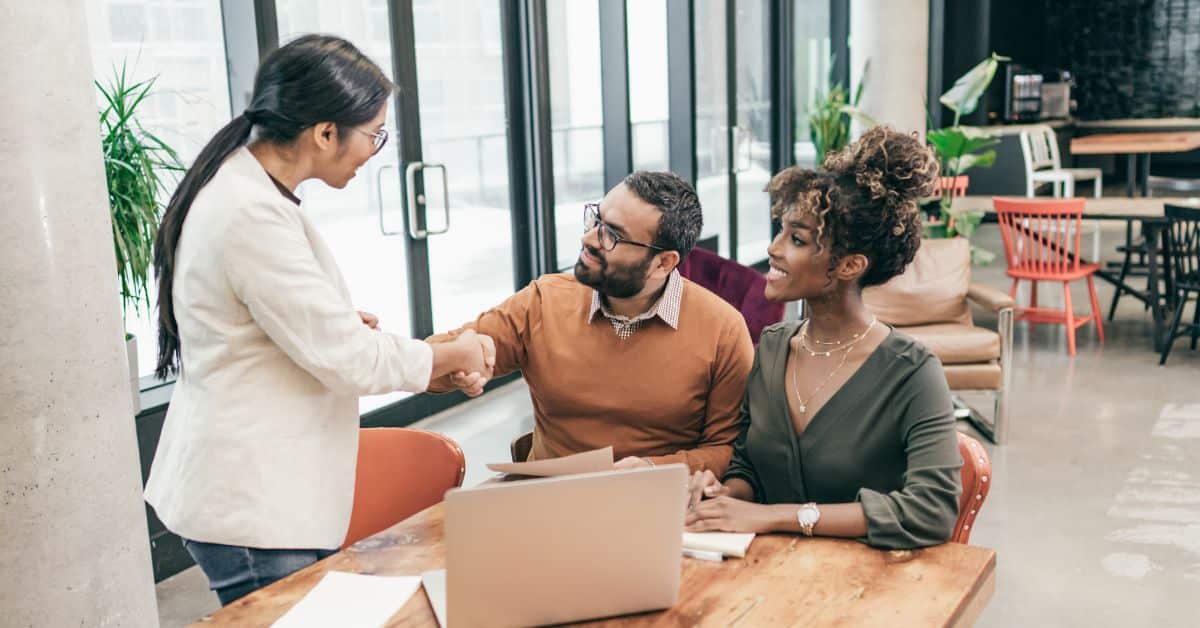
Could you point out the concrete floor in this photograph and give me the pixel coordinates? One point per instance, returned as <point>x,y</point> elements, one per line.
<point>1095,506</point>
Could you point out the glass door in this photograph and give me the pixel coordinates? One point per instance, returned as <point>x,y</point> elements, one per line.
<point>423,234</point>
<point>752,133</point>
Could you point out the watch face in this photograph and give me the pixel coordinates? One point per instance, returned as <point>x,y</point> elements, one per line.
<point>808,515</point>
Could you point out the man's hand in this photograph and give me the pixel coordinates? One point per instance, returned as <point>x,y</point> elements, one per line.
<point>730,515</point>
<point>369,319</point>
<point>632,462</point>
<point>482,351</point>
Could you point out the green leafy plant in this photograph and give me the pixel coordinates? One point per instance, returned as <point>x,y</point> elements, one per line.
<point>960,149</point>
<point>135,162</point>
<point>829,118</point>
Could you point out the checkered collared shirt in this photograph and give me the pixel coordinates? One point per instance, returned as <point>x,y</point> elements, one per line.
<point>666,308</point>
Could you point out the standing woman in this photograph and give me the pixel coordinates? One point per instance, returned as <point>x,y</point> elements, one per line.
<point>849,423</point>
<point>255,467</point>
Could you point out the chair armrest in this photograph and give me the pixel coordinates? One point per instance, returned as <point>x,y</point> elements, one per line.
<point>989,297</point>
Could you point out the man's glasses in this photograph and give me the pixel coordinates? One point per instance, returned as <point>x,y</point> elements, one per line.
<point>378,138</point>
<point>608,238</point>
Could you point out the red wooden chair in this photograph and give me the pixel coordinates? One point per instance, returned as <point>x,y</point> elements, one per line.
<point>976,482</point>
<point>400,473</point>
<point>1041,243</point>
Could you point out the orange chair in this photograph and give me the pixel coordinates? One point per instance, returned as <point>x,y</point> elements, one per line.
<point>956,185</point>
<point>1041,243</point>
<point>976,481</point>
<point>400,473</point>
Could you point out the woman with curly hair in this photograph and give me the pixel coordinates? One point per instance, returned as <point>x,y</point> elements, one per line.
<point>849,424</point>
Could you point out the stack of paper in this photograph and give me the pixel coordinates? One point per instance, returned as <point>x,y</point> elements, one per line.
<point>586,462</point>
<point>350,600</point>
<point>732,544</point>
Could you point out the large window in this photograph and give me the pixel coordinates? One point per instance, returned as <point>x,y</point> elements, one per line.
<point>812,58</point>
<point>573,29</point>
<point>648,103</point>
<point>180,44</point>
<point>712,119</point>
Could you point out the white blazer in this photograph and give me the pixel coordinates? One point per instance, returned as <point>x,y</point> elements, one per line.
<point>260,441</point>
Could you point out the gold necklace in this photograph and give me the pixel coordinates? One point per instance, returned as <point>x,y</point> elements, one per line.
<point>838,342</point>
<point>803,405</point>
<point>841,347</point>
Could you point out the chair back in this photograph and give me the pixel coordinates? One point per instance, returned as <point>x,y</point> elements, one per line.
<point>520,447</point>
<point>956,185</point>
<point>932,289</point>
<point>1183,244</point>
<point>1041,235</point>
<point>740,286</point>
<point>400,473</point>
<point>976,482</point>
<point>1039,147</point>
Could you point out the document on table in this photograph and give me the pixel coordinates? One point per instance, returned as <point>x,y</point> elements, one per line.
<point>586,462</point>
<point>732,544</point>
<point>350,600</point>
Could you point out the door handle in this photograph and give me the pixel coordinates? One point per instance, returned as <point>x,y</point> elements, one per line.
<point>414,199</point>
<point>379,198</point>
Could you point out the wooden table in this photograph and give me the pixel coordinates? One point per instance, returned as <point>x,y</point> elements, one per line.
<point>1133,145</point>
<point>1148,211</point>
<point>784,580</point>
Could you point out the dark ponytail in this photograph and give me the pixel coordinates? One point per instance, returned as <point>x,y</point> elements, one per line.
<point>312,79</point>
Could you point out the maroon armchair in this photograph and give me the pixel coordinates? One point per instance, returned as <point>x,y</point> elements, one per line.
<point>740,286</point>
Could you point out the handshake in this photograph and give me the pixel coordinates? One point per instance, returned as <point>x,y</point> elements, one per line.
<point>469,359</point>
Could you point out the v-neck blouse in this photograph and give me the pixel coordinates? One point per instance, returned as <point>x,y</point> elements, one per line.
<point>886,439</point>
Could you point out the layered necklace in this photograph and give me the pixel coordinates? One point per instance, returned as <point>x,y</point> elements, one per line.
<point>843,346</point>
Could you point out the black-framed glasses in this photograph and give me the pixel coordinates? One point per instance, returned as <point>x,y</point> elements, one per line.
<point>378,138</point>
<point>609,239</point>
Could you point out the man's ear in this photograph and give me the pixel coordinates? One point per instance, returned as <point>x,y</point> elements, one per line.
<point>667,261</point>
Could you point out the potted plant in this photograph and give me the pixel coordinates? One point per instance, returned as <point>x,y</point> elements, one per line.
<point>961,148</point>
<point>135,162</point>
<point>829,119</point>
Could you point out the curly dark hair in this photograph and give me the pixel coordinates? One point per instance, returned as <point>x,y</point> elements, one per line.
<point>865,199</point>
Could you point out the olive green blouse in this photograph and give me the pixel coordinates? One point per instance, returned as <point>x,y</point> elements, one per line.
<point>885,439</point>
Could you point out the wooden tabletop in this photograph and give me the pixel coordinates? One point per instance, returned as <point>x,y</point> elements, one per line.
<point>783,580</point>
<point>1124,143</point>
<point>1104,208</point>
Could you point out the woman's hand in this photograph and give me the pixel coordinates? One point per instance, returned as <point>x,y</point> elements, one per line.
<point>730,515</point>
<point>704,485</point>
<point>369,319</point>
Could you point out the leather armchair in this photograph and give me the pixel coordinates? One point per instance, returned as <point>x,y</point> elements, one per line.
<point>931,302</point>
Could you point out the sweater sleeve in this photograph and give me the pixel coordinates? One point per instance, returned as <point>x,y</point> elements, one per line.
<point>508,324</point>
<point>923,512</point>
<point>740,465</point>
<point>722,422</point>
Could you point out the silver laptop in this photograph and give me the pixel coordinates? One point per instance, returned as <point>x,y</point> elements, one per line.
<point>564,549</point>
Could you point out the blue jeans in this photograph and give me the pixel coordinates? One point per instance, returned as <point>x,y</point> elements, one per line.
<point>235,571</point>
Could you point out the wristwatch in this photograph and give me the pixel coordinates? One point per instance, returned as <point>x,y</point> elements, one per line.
<point>808,515</point>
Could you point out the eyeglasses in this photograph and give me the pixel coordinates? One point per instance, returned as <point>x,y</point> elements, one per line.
<point>378,138</point>
<point>608,238</point>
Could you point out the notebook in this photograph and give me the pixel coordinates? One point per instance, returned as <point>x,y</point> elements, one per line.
<point>732,544</point>
<point>350,600</point>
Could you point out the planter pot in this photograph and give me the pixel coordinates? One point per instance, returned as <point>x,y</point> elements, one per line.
<point>135,389</point>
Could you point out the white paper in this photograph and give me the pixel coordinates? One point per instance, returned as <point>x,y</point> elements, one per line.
<point>586,462</point>
<point>350,600</point>
<point>435,589</point>
<point>727,543</point>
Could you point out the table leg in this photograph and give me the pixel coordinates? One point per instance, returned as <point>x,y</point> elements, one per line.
<point>1131,175</point>
<point>1151,231</point>
<point>1144,174</point>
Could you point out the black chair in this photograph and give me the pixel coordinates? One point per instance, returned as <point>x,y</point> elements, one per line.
<point>1183,250</point>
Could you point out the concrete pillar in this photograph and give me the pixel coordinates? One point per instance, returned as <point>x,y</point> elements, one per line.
<point>894,36</point>
<point>73,543</point>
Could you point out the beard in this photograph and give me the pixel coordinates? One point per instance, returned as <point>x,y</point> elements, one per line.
<point>613,281</point>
